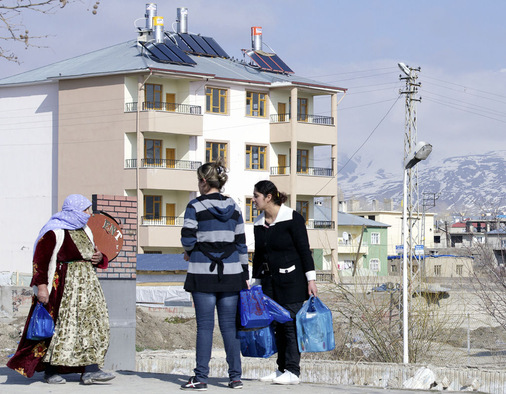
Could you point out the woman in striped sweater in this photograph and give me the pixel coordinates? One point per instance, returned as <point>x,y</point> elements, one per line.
<point>215,246</point>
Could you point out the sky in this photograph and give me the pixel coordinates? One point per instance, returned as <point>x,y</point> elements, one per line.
<point>458,45</point>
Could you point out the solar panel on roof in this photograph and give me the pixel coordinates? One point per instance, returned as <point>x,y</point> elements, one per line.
<point>213,44</point>
<point>162,53</point>
<point>180,43</point>
<point>204,45</point>
<point>194,46</point>
<point>173,52</point>
<point>268,61</point>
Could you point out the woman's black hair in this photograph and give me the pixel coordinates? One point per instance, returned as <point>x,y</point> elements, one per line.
<point>267,187</point>
<point>214,173</point>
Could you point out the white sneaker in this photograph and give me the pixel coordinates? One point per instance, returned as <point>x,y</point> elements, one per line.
<point>287,378</point>
<point>271,377</point>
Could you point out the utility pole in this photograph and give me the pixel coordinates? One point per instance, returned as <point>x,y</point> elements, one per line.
<point>410,139</point>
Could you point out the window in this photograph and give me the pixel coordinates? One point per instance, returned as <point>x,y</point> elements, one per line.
<point>216,100</point>
<point>437,270</point>
<point>375,238</point>
<point>255,104</point>
<point>393,268</point>
<point>251,211</point>
<point>302,109</point>
<point>152,207</point>
<point>374,265</point>
<point>153,152</point>
<point>459,269</point>
<point>255,157</point>
<point>214,150</point>
<point>302,207</point>
<point>153,96</point>
<point>302,160</point>
<point>437,239</point>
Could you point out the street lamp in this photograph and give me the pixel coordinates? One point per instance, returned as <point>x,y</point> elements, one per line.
<point>421,152</point>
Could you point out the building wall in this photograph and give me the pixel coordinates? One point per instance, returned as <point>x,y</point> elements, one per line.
<point>29,178</point>
<point>377,251</point>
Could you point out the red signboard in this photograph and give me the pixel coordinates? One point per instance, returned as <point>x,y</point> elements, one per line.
<point>107,234</point>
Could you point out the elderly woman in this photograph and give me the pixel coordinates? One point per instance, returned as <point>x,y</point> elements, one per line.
<point>64,280</point>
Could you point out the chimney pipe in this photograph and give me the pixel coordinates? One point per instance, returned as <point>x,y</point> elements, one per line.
<point>158,29</point>
<point>149,15</point>
<point>182,20</point>
<point>256,38</point>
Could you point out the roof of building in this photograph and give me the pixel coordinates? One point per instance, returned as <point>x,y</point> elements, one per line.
<point>128,57</point>
<point>347,219</point>
<point>161,262</point>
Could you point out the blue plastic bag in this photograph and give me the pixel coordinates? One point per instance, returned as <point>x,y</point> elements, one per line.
<point>258,343</point>
<point>315,332</point>
<point>41,324</point>
<point>277,312</point>
<point>252,309</point>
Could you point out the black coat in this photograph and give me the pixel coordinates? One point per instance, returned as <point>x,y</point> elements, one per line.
<point>284,248</point>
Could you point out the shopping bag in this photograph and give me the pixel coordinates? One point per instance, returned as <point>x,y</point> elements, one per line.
<point>41,324</point>
<point>252,308</point>
<point>277,312</point>
<point>259,342</point>
<point>314,327</point>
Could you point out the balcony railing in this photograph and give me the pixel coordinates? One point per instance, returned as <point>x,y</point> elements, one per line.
<point>167,107</point>
<point>151,220</point>
<point>320,224</point>
<point>313,171</point>
<point>352,244</point>
<point>314,119</point>
<point>164,163</point>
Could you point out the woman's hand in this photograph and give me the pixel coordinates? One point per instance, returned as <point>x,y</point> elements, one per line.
<point>311,288</point>
<point>97,257</point>
<point>42,294</point>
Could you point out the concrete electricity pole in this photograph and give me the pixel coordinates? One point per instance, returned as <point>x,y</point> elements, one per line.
<point>410,139</point>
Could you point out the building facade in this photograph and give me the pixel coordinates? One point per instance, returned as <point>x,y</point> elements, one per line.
<point>126,121</point>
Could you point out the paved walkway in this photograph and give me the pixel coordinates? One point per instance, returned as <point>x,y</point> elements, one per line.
<point>140,382</point>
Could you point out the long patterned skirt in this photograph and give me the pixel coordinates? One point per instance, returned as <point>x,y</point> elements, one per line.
<point>81,337</point>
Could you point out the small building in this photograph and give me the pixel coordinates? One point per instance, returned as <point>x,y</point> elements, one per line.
<point>362,242</point>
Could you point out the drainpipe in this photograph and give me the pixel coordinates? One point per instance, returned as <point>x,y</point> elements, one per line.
<point>139,139</point>
<point>335,198</point>
<point>293,148</point>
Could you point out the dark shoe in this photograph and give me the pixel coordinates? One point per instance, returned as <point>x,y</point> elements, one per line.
<point>54,379</point>
<point>94,377</point>
<point>193,384</point>
<point>235,384</point>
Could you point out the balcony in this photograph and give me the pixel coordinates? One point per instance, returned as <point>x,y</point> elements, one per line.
<point>164,163</point>
<point>161,174</point>
<point>317,240</point>
<point>311,171</point>
<point>310,180</point>
<point>352,246</point>
<point>314,129</point>
<point>168,117</point>
<point>312,224</point>
<point>161,232</point>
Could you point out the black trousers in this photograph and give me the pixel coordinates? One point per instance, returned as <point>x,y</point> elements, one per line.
<point>286,341</point>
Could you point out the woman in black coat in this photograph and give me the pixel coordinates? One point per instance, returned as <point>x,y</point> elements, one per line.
<point>284,265</point>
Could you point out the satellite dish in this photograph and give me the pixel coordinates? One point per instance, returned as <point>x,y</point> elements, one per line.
<point>404,68</point>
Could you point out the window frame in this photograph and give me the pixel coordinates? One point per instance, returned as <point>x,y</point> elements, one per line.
<point>221,93</point>
<point>261,102</point>
<point>157,200</point>
<point>153,161</point>
<point>209,151</point>
<point>154,104</point>
<point>375,261</point>
<point>437,270</point>
<point>375,241</point>
<point>302,206</point>
<point>249,209</point>
<point>262,161</point>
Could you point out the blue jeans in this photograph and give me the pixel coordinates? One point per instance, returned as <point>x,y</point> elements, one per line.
<point>226,304</point>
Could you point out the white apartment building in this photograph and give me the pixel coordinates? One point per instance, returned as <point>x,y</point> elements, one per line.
<point>138,118</point>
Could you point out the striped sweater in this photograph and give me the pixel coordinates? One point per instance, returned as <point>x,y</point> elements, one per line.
<point>213,236</point>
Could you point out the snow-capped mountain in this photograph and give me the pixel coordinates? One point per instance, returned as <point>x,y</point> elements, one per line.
<point>470,184</point>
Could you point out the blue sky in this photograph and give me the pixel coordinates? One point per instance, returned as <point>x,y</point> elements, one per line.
<point>355,44</point>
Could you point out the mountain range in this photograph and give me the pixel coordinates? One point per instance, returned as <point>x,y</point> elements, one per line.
<point>463,185</point>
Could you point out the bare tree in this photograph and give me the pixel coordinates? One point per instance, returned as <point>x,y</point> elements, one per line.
<point>12,28</point>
